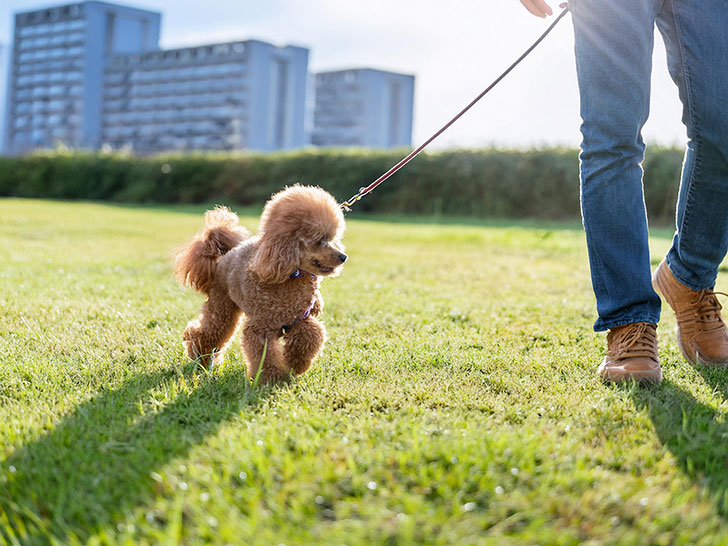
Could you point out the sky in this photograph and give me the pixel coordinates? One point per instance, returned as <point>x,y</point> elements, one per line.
<point>454,48</point>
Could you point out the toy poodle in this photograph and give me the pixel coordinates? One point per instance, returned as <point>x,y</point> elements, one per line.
<point>270,281</point>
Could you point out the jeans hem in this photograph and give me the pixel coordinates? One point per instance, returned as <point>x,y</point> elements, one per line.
<point>677,271</point>
<point>601,326</point>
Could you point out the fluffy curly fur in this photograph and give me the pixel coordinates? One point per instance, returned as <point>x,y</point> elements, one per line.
<point>270,282</point>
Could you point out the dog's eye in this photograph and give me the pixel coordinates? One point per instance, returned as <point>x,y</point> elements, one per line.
<point>323,242</point>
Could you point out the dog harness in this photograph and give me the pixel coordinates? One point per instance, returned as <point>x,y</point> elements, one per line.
<point>307,313</point>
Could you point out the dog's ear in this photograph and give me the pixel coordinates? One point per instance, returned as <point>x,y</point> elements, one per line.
<point>276,259</point>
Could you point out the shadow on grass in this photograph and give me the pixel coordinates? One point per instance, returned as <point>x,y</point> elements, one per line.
<point>696,434</point>
<point>97,464</point>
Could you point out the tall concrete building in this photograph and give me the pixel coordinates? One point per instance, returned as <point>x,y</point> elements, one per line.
<point>57,66</point>
<point>4,75</point>
<point>212,97</point>
<point>363,107</point>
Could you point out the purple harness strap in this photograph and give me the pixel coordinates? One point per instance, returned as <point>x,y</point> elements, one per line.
<point>307,313</point>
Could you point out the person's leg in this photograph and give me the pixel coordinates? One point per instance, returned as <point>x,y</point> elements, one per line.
<point>697,54</point>
<point>613,44</point>
<point>695,39</point>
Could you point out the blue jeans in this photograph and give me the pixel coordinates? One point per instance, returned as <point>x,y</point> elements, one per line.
<point>613,43</point>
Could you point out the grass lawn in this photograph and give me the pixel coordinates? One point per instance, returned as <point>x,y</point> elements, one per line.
<point>456,401</point>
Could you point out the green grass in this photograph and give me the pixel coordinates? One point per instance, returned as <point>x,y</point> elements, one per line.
<point>456,401</point>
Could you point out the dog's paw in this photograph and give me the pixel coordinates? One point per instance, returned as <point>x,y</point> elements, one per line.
<point>191,348</point>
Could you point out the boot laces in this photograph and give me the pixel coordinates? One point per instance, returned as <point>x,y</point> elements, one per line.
<point>706,310</point>
<point>635,340</point>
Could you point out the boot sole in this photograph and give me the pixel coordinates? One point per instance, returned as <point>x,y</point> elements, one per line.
<point>650,377</point>
<point>697,358</point>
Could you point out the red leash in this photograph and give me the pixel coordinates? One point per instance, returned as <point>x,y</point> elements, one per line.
<point>346,205</point>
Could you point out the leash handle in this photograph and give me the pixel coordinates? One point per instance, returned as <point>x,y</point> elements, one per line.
<point>346,205</point>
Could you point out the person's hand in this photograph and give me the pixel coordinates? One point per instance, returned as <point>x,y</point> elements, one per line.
<point>538,7</point>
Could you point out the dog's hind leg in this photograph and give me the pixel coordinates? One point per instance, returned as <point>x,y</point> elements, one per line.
<point>261,345</point>
<point>208,336</point>
<point>303,344</point>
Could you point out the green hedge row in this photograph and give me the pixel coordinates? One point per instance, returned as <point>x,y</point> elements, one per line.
<point>542,184</point>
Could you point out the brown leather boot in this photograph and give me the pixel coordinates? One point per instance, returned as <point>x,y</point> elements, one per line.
<point>631,354</point>
<point>701,333</point>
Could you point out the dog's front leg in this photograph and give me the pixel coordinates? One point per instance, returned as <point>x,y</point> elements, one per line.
<point>262,346</point>
<point>303,343</point>
<point>318,304</point>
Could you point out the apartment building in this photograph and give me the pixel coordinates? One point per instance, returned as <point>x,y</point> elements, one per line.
<point>363,107</point>
<point>224,96</point>
<point>57,66</point>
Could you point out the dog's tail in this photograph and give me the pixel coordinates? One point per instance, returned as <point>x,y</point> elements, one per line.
<point>196,263</point>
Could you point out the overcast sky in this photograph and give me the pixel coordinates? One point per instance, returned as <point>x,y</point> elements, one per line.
<point>454,48</point>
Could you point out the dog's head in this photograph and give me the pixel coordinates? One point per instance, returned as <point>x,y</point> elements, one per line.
<point>301,228</point>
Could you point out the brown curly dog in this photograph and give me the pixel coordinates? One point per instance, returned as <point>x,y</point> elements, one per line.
<point>270,281</point>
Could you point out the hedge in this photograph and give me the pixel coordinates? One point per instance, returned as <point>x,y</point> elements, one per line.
<point>487,183</point>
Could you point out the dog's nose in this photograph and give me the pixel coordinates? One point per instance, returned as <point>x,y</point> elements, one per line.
<point>342,257</point>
